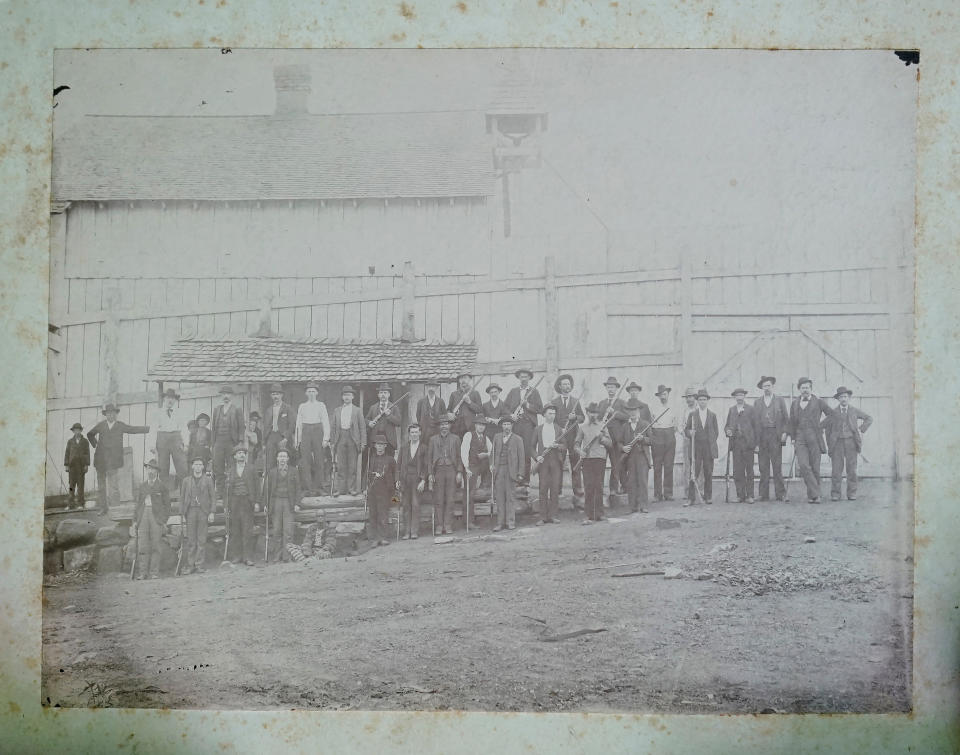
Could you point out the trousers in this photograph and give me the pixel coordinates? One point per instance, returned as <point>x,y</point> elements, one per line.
<point>505,497</point>
<point>664,452</point>
<point>170,447</point>
<point>593,488</point>
<point>444,486</point>
<point>77,480</point>
<point>551,477</point>
<point>743,471</point>
<point>195,547</point>
<point>770,455</point>
<point>637,470</point>
<point>378,500</point>
<point>108,488</point>
<point>281,528</point>
<point>222,451</point>
<point>346,456</point>
<point>808,462</point>
<point>527,433</point>
<point>576,470</point>
<point>314,468</point>
<point>410,505</point>
<point>844,452</point>
<point>702,465</point>
<point>149,539</point>
<point>241,529</point>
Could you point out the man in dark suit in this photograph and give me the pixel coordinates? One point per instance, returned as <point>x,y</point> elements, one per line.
<point>845,427</point>
<point>506,464</point>
<point>634,441</point>
<point>150,519</point>
<point>525,404</point>
<point>493,410</point>
<point>464,405</point>
<point>808,443</point>
<point>570,415</point>
<point>282,495</point>
<point>772,421</point>
<point>348,439</point>
<point>548,450</point>
<point>76,460</point>
<point>227,430</point>
<point>616,412</point>
<point>107,438</point>
<point>412,477</point>
<point>279,424</point>
<point>429,411</point>
<point>741,429</point>
<point>703,430</point>
<point>384,419</point>
<point>242,501</point>
<point>444,473</point>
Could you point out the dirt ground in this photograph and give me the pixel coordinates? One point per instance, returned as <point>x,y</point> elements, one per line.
<point>774,624</point>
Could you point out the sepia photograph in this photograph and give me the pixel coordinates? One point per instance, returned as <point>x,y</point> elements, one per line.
<point>499,380</point>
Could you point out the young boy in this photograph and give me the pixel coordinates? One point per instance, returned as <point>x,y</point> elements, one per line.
<point>76,459</point>
<point>380,487</point>
<point>150,519</point>
<point>200,441</point>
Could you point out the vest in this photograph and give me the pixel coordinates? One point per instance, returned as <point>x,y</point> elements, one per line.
<point>478,445</point>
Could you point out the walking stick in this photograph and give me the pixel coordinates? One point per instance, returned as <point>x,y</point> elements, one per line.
<point>266,515</point>
<point>466,495</point>
<point>136,551</point>
<point>226,521</point>
<point>183,526</point>
<point>726,480</point>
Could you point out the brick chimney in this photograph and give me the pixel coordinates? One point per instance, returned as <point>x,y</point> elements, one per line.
<point>293,85</point>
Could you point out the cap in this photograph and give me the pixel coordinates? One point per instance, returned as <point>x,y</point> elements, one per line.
<point>661,389</point>
<point>803,380</point>
<point>764,379</point>
<point>76,426</point>
<point>109,408</point>
<point>226,389</point>
<point>492,386</point>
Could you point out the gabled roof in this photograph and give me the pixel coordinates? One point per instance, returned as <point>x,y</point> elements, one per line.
<point>282,359</point>
<point>270,157</point>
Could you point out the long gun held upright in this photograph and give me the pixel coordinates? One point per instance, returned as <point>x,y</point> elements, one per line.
<point>136,550</point>
<point>390,406</point>
<point>264,493</point>
<point>629,446</point>
<point>466,395</point>
<point>524,395</point>
<point>608,416</point>
<point>226,519</point>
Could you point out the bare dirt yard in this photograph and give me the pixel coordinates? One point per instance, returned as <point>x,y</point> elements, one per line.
<point>758,620</point>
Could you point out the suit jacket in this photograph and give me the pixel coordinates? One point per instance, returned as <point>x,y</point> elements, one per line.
<point>386,467</point>
<point>77,453</point>
<point>780,414</point>
<point>428,416</point>
<point>388,424</point>
<point>294,494</point>
<point>358,428</point>
<point>286,422</point>
<point>529,413</point>
<point>572,413</point>
<point>494,412</point>
<point>109,443</point>
<point>159,501</point>
<point>627,435</point>
<point>540,448</point>
<point>619,416</point>
<point>439,445</point>
<point>414,467</point>
<point>859,420</point>
<point>195,492</point>
<point>712,429</point>
<point>232,417</point>
<point>513,449</point>
<point>743,429</point>
<point>249,477</point>
<point>805,423</point>
<point>470,408</point>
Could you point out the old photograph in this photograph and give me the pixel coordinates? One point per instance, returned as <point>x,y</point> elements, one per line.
<point>498,380</point>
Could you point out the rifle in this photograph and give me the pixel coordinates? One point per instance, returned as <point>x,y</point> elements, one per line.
<point>608,416</point>
<point>523,398</point>
<point>390,405</point>
<point>726,479</point>
<point>535,463</point>
<point>698,498</point>
<point>183,526</point>
<point>136,551</point>
<point>226,519</point>
<point>466,395</point>
<point>629,446</point>
<point>266,514</point>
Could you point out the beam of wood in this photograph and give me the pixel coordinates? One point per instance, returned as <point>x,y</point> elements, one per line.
<point>829,351</point>
<point>200,390</point>
<point>604,361</point>
<point>408,329</point>
<point>551,315</point>
<point>777,309</point>
<point>738,356</point>
<point>685,325</point>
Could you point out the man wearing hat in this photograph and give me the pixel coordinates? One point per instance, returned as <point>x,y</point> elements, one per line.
<point>348,436</point>
<point>614,413</point>
<point>493,410</point>
<point>772,420</point>
<point>242,500</point>
<point>312,439</point>
<point>200,440</point>
<point>107,438</point>
<point>808,443</point>
<point>412,476</point>
<point>464,411</point>
<point>76,460</point>
<point>548,449</point>
<point>475,450</point>
<point>569,415</point>
<point>845,427</point>
<point>444,466</point>
<point>741,430</point>
<point>253,440</point>
<point>227,431</point>
<point>149,520</point>
<point>690,401</point>
<point>525,404</point>
<point>506,464</point>
<point>381,485</point>
<point>279,425</point>
<point>384,419</point>
<point>196,507</point>
<point>283,498</point>
<point>429,411</point>
<point>169,442</point>
<point>635,441</point>
<point>592,446</point>
<point>703,430</point>
<point>663,444</point>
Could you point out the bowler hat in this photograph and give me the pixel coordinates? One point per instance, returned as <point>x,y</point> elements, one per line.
<point>383,387</point>
<point>203,415</point>
<point>505,418</point>
<point>152,464</point>
<point>444,419</point>
<point>841,390</point>
<point>702,393</point>
<point>492,386</point>
<point>592,408</point>
<point>548,406</point>
<point>764,379</point>
<point>254,415</point>
<point>634,403</point>
<point>523,371</point>
<point>612,381</point>
<point>197,457</point>
<point>380,438</point>
<point>226,389</point>
<point>739,392</point>
<point>172,394</point>
<point>76,426</point>
<point>633,386</point>
<point>661,389</point>
<point>803,380</point>
<point>432,381</point>
<point>276,388</point>
<point>564,376</point>
<point>109,408</point>
<point>346,389</point>
<point>239,447</point>
<point>312,384</point>
<point>466,375</point>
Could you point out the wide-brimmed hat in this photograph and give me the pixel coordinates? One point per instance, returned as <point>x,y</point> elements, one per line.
<point>803,380</point>
<point>197,457</point>
<point>226,389</point>
<point>170,393</point>
<point>239,447</point>
<point>444,419</point>
<point>523,371</point>
<point>76,426</point>
<point>841,390</point>
<point>312,384</point>
<point>739,392</point>
<point>689,391</point>
<point>380,438</point>
<point>633,386</point>
<point>702,393</point>
<point>592,408</point>
<point>432,381</point>
<point>203,415</point>
<point>505,418</point>
<point>661,389</point>
<point>466,375</point>
<point>612,381</point>
<point>479,419</point>
<point>282,450</point>
<point>276,388</point>
<point>561,378</point>
<point>383,387</point>
<point>634,403</point>
<point>492,386</point>
<point>548,406</point>
<point>346,389</point>
<point>109,408</point>
<point>764,379</point>
<point>151,464</point>
<point>254,415</point>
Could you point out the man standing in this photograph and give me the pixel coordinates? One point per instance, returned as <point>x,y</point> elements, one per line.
<point>525,404</point>
<point>845,427</point>
<point>772,419</point>
<point>741,429</point>
<point>150,519</point>
<point>349,439</point>
<point>475,450</point>
<point>569,416</point>
<point>200,441</point>
<point>464,405</point>
<point>444,473</point>
<point>168,443</point>
<point>279,426</point>
<point>107,438</point>
<point>413,479</point>
<point>808,442</point>
<point>493,410</point>
<point>690,397</point>
<point>384,419</point>
<point>196,506</point>
<point>312,439</point>
<point>507,471</point>
<point>634,440</point>
<point>283,497</point>
<point>76,460</point>
<point>592,446</point>
<point>242,501</point>
<point>429,411</point>
<point>380,487</point>
<point>227,431</point>
<point>614,413</point>
<point>703,430</point>
<point>664,445</point>
<point>548,449</point>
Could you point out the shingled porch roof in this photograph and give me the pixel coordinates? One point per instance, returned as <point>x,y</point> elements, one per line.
<point>291,360</point>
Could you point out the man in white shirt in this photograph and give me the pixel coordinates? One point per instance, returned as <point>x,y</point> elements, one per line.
<point>349,439</point>
<point>475,450</point>
<point>312,438</point>
<point>664,445</point>
<point>169,440</point>
<point>549,458</point>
